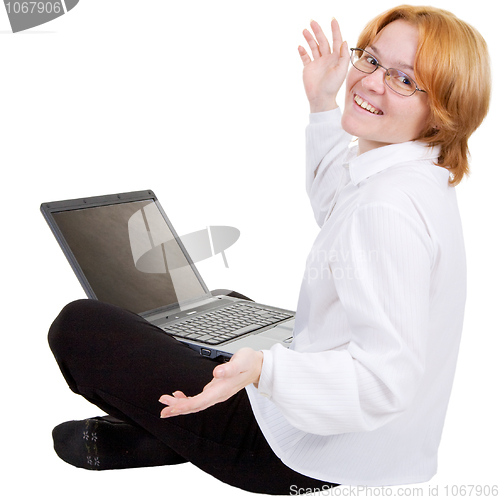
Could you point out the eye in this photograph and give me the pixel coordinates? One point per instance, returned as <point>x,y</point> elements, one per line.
<point>405,80</point>
<point>370,60</point>
<point>402,79</point>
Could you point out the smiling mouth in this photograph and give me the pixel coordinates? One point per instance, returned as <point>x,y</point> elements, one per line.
<point>366,105</point>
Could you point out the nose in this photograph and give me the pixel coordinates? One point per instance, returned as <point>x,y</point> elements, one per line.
<point>375,81</point>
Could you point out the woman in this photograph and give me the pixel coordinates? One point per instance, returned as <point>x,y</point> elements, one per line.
<point>361,395</point>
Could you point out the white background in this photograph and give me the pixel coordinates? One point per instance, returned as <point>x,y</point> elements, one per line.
<point>203,103</point>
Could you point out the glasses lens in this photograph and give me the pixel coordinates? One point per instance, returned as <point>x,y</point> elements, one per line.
<point>363,61</point>
<point>400,82</point>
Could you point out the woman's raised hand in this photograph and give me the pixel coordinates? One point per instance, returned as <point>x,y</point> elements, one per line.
<point>324,74</point>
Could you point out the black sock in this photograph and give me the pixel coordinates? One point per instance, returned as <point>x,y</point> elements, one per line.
<point>101,443</point>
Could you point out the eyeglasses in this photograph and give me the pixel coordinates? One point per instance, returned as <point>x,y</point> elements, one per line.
<point>395,79</point>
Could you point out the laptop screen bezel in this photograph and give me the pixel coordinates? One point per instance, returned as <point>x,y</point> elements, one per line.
<point>50,208</point>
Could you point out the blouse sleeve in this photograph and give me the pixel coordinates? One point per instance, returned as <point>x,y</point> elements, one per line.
<point>371,379</point>
<point>326,146</point>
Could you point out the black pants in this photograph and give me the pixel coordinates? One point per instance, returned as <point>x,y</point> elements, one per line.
<point>123,364</point>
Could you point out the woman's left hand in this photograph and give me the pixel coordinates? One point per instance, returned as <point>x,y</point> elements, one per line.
<point>229,378</point>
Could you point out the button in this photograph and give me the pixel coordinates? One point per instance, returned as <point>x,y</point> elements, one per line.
<point>204,337</point>
<point>265,395</point>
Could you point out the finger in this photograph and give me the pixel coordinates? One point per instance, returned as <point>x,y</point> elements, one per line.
<point>312,44</point>
<point>221,371</point>
<point>172,411</point>
<point>345,53</point>
<point>345,57</point>
<point>336,35</point>
<point>189,405</point>
<point>324,46</point>
<point>227,370</point>
<point>176,406</point>
<point>166,399</point>
<point>304,55</point>
<point>179,394</point>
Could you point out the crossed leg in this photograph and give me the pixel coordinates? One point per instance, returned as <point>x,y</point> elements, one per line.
<point>123,364</point>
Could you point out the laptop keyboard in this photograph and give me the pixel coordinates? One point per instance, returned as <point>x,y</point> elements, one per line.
<point>226,324</point>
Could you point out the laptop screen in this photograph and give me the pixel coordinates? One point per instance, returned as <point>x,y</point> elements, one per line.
<point>129,255</point>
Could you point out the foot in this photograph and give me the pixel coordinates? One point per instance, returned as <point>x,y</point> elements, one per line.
<point>102,443</point>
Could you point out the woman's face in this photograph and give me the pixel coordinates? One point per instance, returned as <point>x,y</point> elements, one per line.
<point>396,118</point>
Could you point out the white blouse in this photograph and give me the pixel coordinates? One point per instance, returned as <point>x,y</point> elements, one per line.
<point>361,395</point>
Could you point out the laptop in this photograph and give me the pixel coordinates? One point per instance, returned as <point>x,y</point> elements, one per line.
<point>125,251</point>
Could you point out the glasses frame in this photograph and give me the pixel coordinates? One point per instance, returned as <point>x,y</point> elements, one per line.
<point>378,65</point>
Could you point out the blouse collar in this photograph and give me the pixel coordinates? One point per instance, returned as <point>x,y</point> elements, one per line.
<point>376,160</point>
